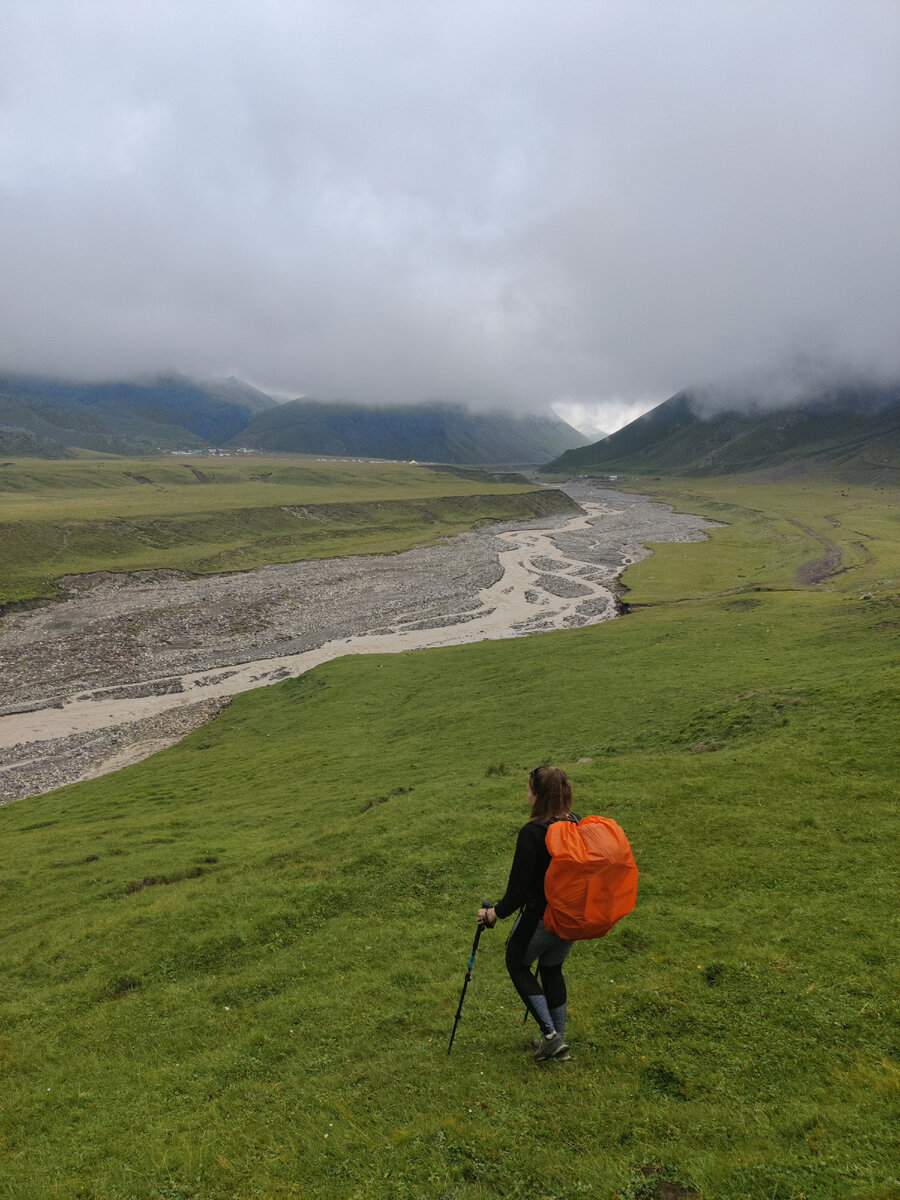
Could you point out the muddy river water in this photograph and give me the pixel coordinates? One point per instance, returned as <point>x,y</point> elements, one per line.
<point>129,664</point>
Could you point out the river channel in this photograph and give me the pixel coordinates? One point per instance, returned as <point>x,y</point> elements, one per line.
<point>129,664</point>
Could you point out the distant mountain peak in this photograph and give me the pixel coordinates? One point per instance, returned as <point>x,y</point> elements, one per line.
<point>591,431</point>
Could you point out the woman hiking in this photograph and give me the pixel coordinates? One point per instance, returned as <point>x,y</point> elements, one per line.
<point>550,799</point>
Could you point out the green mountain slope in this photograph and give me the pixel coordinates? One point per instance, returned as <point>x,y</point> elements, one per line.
<point>25,443</point>
<point>853,430</point>
<point>171,412</point>
<point>430,433</point>
<point>174,412</point>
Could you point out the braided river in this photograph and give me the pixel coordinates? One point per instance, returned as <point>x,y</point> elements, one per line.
<point>129,664</point>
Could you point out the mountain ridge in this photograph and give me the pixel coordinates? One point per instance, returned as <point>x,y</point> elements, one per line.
<point>435,432</point>
<point>165,412</point>
<point>853,429</point>
<point>172,412</point>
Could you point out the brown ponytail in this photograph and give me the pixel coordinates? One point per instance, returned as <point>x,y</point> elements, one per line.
<point>552,793</point>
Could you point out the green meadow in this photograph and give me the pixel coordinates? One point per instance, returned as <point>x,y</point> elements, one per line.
<point>231,971</point>
<point>210,514</point>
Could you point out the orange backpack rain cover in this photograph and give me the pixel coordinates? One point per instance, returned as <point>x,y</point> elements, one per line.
<point>592,878</point>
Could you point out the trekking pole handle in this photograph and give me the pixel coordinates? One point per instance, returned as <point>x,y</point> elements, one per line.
<point>483,924</point>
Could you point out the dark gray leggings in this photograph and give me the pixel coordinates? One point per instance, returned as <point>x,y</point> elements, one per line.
<point>528,941</point>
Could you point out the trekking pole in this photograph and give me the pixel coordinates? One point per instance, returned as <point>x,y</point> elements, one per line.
<point>478,933</point>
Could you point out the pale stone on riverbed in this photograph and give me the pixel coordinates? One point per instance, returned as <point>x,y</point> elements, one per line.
<point>131,663</point>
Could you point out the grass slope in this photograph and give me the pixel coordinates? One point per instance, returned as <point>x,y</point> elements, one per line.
<point>231,971</point>
<point>207,515</point>
<point>22,443</point>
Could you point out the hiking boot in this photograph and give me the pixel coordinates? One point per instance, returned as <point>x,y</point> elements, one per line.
<point>563,1056</point>
<point>550,1047</point>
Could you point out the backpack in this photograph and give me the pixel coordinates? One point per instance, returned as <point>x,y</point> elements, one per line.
<point>592,878</point>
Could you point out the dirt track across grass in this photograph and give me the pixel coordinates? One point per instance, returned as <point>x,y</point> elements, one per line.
<point>817,570</point>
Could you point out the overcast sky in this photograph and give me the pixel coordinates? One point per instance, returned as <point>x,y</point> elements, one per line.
<point>502,202</point>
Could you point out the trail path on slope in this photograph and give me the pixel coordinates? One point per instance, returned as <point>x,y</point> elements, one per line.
<point>131,663</point>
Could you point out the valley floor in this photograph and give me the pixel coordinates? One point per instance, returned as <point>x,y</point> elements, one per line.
<point>128,664</point>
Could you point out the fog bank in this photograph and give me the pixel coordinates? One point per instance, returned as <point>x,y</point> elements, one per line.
<point>512,204</point>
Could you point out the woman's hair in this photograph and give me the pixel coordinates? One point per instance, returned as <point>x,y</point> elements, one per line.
<point>552,793</point>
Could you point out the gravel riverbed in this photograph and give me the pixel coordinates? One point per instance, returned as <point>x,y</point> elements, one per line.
<point>130,663</point>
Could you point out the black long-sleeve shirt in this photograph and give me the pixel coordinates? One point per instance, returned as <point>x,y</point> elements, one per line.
<point>526,877</point>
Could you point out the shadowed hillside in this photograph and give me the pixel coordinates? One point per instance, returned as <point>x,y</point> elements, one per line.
<point>44,418</point>
<point>22,443</point>
<point>429,432</point>
<point>170,412</point>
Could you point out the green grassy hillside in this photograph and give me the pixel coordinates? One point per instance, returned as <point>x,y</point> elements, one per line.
<point>207,514</point>
<point>231,971</point>
<point>22,443</point>
<point>851,432</point>
<point>174,412</point>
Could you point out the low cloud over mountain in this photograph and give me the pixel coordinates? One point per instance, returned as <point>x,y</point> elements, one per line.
<point>46,418</point>
<point>511,203</point>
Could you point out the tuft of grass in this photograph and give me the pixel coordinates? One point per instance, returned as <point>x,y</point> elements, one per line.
<point>287,1037</point>
<point>496,769</point>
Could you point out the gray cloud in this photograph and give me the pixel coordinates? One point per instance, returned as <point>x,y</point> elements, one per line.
<point>514,203</point>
